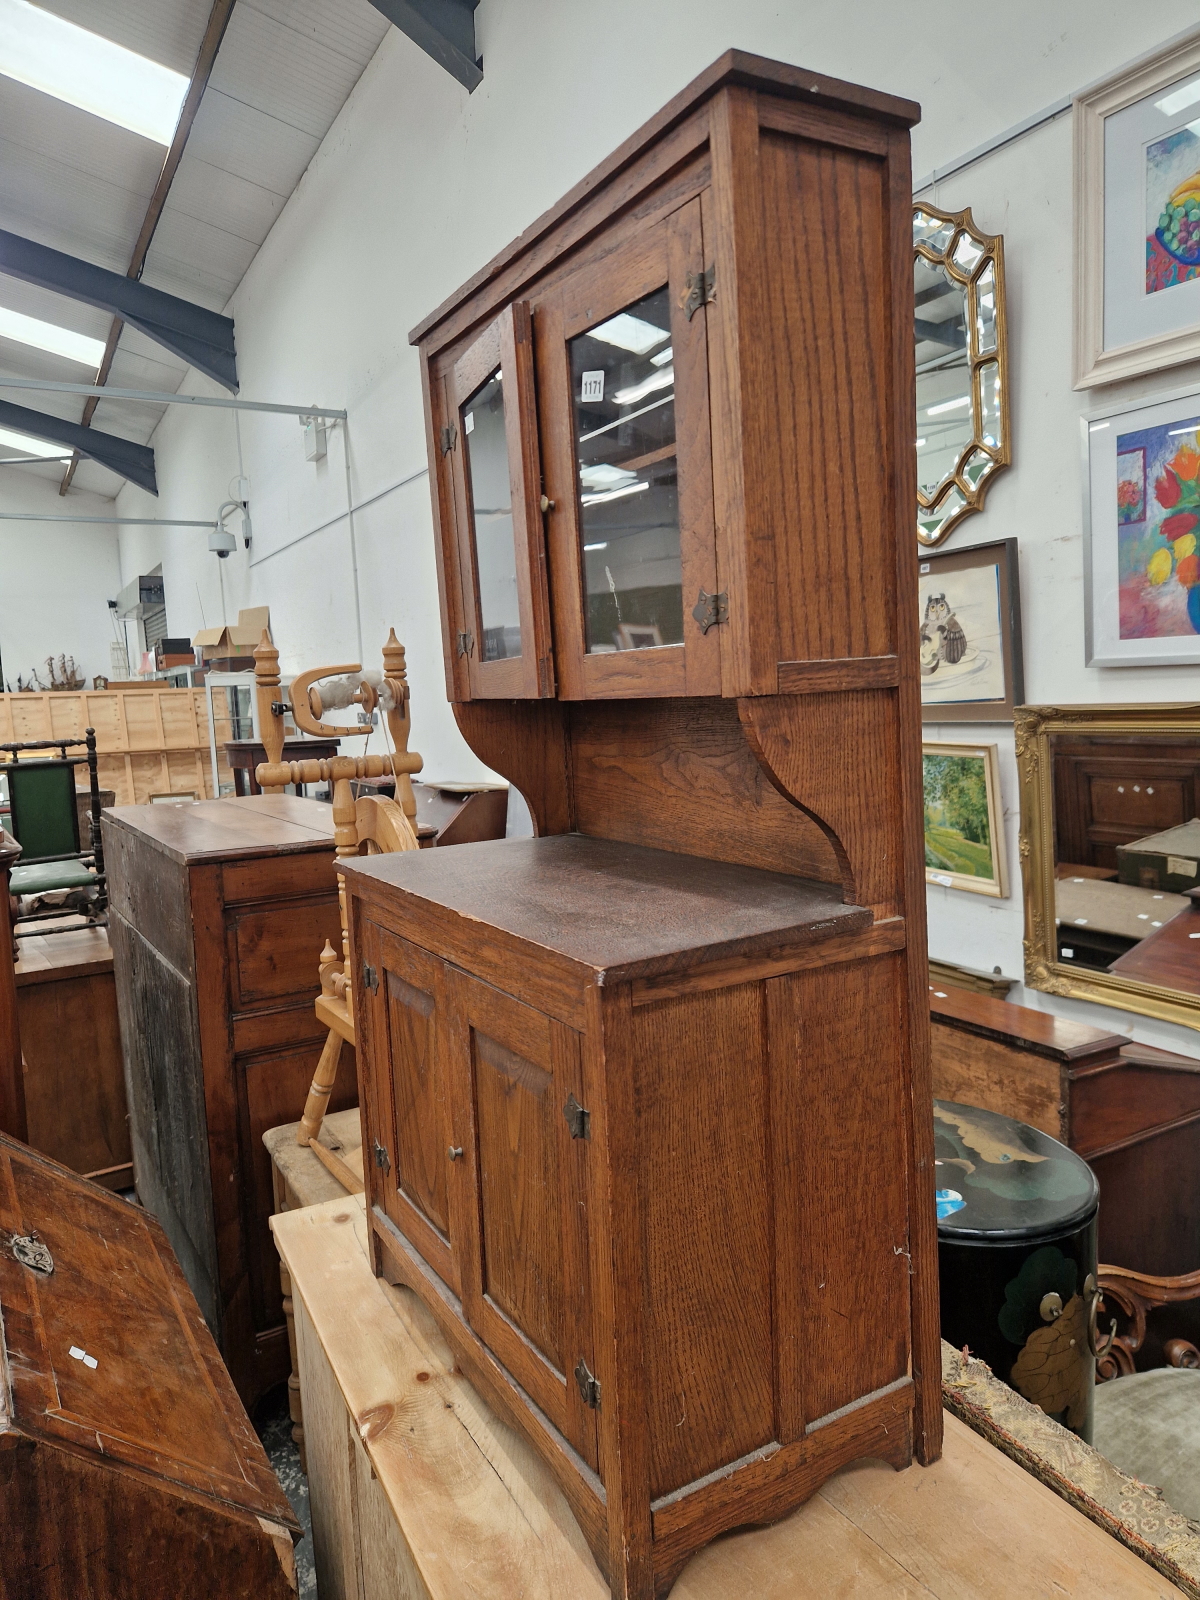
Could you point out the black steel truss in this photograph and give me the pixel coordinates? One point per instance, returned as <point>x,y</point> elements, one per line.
<point>132,461</point>
<point>445,30</point>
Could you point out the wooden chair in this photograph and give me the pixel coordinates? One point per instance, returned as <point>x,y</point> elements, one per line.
<point>1148,1423</point>
<point>44,820</point>
<point>367,826</point>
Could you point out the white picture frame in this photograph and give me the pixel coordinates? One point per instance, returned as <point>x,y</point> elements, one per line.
<point>1113,631</point>
<point>1122,328</point>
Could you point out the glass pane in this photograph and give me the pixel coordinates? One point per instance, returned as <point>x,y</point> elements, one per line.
<point>1127,855</point>
<point>989,400</point>
<point>985,310</point>
<point>977,466</point>
<point>623,387</point>
<point>945,421</point>
<point>492,521</point>
<point>931,231</point>
<point>966,253</point>
<point>930,523</point>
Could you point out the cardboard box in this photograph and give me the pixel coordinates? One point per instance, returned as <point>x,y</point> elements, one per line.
<point>238,640</point>
<point>1163,861</point>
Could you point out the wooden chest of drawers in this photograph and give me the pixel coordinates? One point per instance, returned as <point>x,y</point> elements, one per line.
<point>128,1467</point>
<point>218,915</point>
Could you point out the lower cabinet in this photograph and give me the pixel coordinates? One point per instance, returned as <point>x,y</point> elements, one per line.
<point>662,1216</point>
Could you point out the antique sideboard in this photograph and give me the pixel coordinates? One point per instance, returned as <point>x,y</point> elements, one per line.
<point>646,1098</point>
<point>218,911</point>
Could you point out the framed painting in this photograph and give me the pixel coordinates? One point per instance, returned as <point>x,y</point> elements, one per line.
<point>1141,472</point>
<point>964,820</point>
<point>1137,217</point>
<point>969,609</point>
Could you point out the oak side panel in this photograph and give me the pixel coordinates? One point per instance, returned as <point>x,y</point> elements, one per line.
<point>525,742</point>
<point>706,1231</point>
<point>827,386</point>
<point>841,1170</point>
<point>667,777</point>
<point>75,1097</point>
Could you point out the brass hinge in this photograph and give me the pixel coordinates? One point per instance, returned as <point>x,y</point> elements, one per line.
<point>370,979</point>
<point>466,641</point>
<point>589,1387</point>
<point>449,438</point>
<point>578,1120</point>
<point>700,290</point>
<point>382,1160</point>
<point>711,609</point>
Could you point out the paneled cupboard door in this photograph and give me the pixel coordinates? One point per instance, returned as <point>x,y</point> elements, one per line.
<point>491,440</point>
<point>408,1115</point>
<point>623,377</point>
<point>517,1196</point>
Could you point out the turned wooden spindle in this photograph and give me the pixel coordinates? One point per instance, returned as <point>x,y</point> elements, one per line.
<point>266,689</point>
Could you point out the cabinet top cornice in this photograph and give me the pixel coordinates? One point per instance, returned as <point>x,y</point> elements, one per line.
<point>736,68</point>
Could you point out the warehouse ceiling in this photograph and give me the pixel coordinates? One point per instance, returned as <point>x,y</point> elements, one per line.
<point>78,183</point>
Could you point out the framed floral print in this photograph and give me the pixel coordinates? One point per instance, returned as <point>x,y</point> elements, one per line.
<point>1142,534</point>
<point>1137,218</point>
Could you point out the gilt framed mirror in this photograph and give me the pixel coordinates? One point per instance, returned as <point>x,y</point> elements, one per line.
<point>1110,855</point>
<point>963,432</point>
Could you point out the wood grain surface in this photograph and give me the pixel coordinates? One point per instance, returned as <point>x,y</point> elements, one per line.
<point>658,910</point>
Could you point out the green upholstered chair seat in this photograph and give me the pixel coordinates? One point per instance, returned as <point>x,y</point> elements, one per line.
<point>42,876</point>
<point>1148,1425</point>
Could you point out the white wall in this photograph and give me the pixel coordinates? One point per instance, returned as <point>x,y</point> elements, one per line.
<point>55,578</point>
<point>417,185</point>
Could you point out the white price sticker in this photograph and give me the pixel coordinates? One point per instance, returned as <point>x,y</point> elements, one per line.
<point>592,387</point>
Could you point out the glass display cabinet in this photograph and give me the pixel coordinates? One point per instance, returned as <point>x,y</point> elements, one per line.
<point>618,1079</point>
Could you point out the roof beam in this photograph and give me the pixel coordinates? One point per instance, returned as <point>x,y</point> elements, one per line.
<point>130,460</point>
<point>214,32</point>
<point>200,337</point>
<point>444,29</point>
<point>951,333</point>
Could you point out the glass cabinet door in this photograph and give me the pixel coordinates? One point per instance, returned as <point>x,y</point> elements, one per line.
<point>491,438</point>
<point>632,547</point>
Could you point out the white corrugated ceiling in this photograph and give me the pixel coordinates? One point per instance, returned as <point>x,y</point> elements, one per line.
<point>78,183</point>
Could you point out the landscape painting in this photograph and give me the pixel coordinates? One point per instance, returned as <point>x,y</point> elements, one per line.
<point>963,818</point>
<point>1157,561</point>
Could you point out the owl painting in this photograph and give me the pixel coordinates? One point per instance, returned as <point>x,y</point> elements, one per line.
<point>942,637</point>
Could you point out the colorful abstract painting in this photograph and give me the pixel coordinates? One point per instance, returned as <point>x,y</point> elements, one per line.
<point>1131,486</point>
<point>1158,565</point>
<point>1172,210</point>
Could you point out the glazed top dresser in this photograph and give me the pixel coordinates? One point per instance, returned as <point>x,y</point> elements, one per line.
<point>646,1097</point>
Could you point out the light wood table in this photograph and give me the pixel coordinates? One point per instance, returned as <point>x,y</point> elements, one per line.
<point>299,1178</point>
<point>1120,908</point>
<point>419,1492</point>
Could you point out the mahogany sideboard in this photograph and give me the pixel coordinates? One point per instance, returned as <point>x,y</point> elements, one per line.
<point>1131,1111</point>
<point>620,1081</point>
<point>218,914</point>
<point>128,1466</point>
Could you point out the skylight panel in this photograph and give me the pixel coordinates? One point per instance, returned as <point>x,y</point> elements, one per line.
<point>630,333</point>
<point>24,445</point>
<point>1186,95</point>
<point>53,55</point>
<point>49,336</point>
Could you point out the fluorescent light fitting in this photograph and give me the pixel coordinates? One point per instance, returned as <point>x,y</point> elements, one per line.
<point>949,405</point>
<point>600,475</point>
<point>603,546</point>
<point>1179,99</point>
<point>630,333</point>
<point>663,379</point>
<point>49,336</point>
<point>48,53</point>
<point>663,356</point>
<point>33,447</point>
<point>920,442</point>
<point>1171,432</point>
<point>613,494</point>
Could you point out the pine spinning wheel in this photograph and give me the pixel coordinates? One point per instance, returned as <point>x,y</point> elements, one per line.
<point>370,826</point>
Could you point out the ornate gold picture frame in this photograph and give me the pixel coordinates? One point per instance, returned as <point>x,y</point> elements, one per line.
<point>1036,727</point>
<point>961,330</point>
